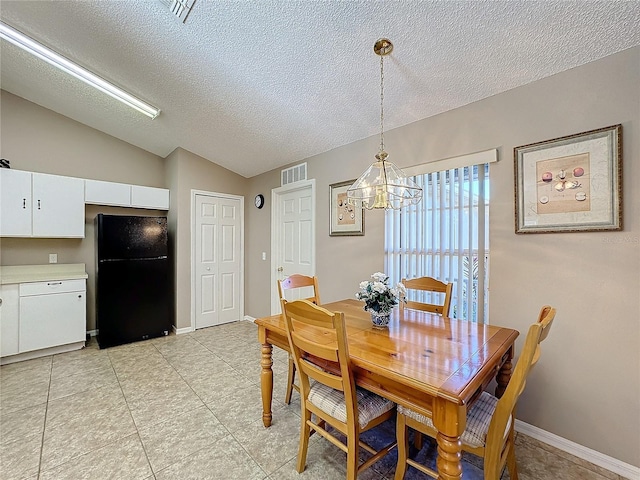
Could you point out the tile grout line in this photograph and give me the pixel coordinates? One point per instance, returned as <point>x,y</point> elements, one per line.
<point>229,433</point>
<point>44,424</point>
<point>267,475</point>
<point>126,401</point>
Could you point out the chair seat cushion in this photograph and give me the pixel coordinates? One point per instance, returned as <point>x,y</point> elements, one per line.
<point>331,401</point>
<point>478,420</point>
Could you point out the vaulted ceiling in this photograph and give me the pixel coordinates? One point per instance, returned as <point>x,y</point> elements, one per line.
<point>256,85</point>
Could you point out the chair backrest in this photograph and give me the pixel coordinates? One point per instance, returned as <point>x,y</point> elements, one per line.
<point>299,281</point>
<point>428,284</point>
<point>497,435</point>
<point>319,335</point>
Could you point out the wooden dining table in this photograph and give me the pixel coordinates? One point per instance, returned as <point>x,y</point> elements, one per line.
<point>434,365</point>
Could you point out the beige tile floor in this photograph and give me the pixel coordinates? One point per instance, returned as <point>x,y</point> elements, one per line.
<point>186,407</point>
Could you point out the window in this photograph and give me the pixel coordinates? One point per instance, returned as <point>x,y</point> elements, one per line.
<point>445,236</point>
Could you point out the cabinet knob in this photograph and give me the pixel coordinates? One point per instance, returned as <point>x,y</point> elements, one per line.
<point>38,204</point>
<point>24,203</point>
<point>0,301</point>
<point>79,296</point>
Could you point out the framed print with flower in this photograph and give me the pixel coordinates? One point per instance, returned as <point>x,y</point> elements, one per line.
<point>570,184</point>
<point>344,218</point>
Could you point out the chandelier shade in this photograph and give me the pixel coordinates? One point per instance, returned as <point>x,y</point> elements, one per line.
<point>383,185</point>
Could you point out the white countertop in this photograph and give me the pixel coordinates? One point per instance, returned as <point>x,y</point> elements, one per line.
<point>42,273</point>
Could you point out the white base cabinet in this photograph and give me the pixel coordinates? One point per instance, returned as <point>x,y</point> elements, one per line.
<point>9,314</point>
<point>42,318</point>
<point>52,313</point>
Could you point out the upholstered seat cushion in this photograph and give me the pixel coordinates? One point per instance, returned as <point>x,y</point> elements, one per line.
<point>478,420</point>
<point>331,401</point>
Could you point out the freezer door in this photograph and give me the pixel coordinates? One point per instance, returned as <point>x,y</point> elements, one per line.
<point>123,237</point>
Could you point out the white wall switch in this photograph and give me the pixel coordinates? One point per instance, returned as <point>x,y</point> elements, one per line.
<point>53,258</point>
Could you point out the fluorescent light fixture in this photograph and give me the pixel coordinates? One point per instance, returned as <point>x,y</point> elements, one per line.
<point>28,44</point>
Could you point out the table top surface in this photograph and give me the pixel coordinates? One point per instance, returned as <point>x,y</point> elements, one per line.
<point>439,356</point>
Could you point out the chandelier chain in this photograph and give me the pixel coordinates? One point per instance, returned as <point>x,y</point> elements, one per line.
<point>381,103</point>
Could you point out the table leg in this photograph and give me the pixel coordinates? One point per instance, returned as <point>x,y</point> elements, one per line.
<point>266,383</point>
<point>503,377</point>
<point>450,421</point>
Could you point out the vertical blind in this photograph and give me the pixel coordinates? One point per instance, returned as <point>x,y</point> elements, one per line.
<point>446,236</point>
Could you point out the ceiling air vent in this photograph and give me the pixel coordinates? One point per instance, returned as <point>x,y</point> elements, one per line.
<point>294,174</point>
<point>179,8</point>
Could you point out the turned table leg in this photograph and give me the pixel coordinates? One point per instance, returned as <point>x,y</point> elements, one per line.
<point>266,383</point>
<point>450,420</point>
<point>449,457</point>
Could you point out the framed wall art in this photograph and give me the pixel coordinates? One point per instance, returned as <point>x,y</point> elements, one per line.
<point>570,184</point>
<point>344,218</point>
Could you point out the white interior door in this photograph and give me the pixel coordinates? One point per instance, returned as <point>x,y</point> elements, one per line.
<point>218,259</point>
<point>293,234</point>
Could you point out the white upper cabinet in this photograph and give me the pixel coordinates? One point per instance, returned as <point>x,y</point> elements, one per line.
<point>15,203</point>
<point>107,193</point>
<point>149,197</point>
<point>52,206</point>
<point>122,195</point>
<point>40,205</point>
<point>58,206</point>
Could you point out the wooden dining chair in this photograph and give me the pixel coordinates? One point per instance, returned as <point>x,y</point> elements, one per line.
<point>490,421</point>
<point>428,284</point>
<point>293,282</point>
<point>318,335</point>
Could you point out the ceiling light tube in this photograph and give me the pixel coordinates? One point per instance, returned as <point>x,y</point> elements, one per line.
<point>28,44</point>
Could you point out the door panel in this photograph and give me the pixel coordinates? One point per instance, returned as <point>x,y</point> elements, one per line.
<point>293,242</point>
<point>218,260</point>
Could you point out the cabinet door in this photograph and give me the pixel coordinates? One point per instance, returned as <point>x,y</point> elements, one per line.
<point>149,197</point>
<point>107,193</point>
<point>15,203</point>
<point>9,314</point>
<point>58,206</point>
<point>51,320</point>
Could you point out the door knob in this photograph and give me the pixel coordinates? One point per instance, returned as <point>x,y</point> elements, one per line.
<point>280,269</point>
<point>208,268</point>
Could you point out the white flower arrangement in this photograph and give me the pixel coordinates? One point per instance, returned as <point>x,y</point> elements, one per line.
<point>377,295</point>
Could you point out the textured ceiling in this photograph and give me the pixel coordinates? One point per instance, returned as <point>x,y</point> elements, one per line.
<point>255,85</point>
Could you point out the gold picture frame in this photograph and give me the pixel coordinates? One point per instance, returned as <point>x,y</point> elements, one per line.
<point>570,184</point>
<point>344,218</point>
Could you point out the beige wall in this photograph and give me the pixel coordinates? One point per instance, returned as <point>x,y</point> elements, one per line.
<point>187,171</point>
<point>587,385</point>
<point>39,140</point>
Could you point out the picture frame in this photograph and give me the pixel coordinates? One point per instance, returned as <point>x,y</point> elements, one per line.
<point>344,218</point>
<point>570,184</point>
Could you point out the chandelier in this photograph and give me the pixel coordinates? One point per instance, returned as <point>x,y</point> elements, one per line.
<point>383,185</point>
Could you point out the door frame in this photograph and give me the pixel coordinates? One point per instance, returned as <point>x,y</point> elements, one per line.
<point>195,193</point>
<point>275,231</point>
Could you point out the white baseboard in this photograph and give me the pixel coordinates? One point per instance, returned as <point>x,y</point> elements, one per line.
<point>612,464</point>
<point>180,331</point>
<point>248,318</point>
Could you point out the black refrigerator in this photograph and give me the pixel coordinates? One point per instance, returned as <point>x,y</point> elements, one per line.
<point>133,285</point>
